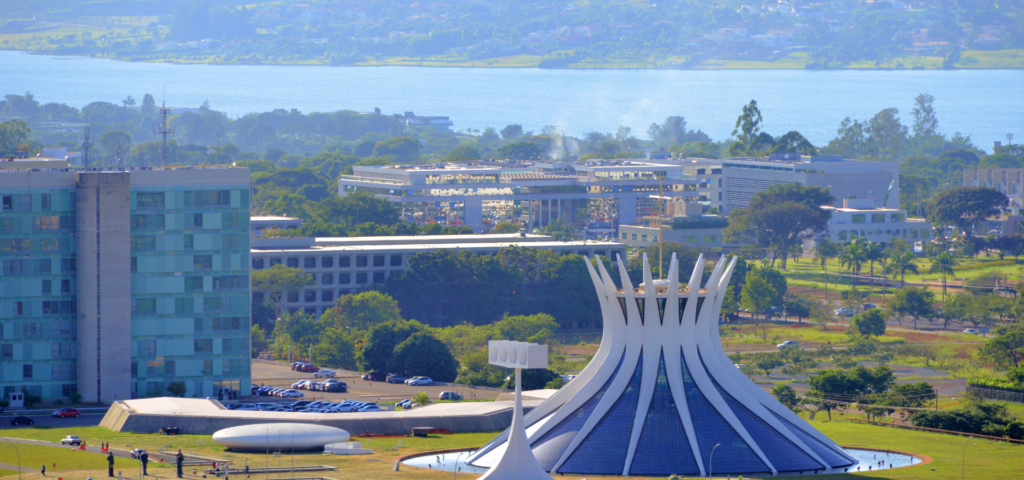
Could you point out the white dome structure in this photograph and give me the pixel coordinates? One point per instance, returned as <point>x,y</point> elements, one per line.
<point>280,436</point>
<point>661,397</point>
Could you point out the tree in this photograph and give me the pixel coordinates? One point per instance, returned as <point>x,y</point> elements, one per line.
<point>786,396</point>
<point>794,142</point>
<point>926,124</point>
<point>380,343</point>
<point>915,302</point>
<point>116,144</point>
<point>1006,348</point>
<point>873,253</point>
<point>748,124</point>
<point>830,385</point>
<point>966,206</point>
<point>825,249</point>
<point>854,255</point>
<point>758,295</point>
<point>423,354</point>
<point>870,322</point>
<point>362,311</point>
<point>766,362</point>
<point>510,132</point>
<point>148,106</point>
<point>850,139</point>
<point>520,151</point>
<point>336,349</point>
<point>886,137</point>
<point>462,152</point>
<point>952,58</point>
<point>275,283</point>
<point>943,264</point>
<point>506,227</point>
<point>177,388</point>
<point>781,216</point>
<point>12,133</point>
<point>533,379</point>
<point>404,149</point>
<point>901,263</point>
<point>798,307</point>
<point>258,338</point>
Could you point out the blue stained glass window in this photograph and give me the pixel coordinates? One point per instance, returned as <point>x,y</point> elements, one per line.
<point>661,309</point>
<point>682,307</point>
<point>604,450</point>
<point>640,304</point>
<point>663,448</point>
<point>700,303</point>
<point>622,303</point>
<point>550,447</point>
<point>826,453</point>
<point>732,455</point>
<point>782,453</point>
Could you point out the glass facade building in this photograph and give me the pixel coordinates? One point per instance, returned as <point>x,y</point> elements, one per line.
<point>116,283</point>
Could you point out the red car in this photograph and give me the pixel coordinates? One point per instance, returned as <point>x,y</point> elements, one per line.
<point>67,412</point>
<point>310,368</point>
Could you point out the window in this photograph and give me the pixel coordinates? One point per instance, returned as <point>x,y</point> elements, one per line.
<point>396,260</point>
<point>46,224</point>
<point>148,221</point>
<point>293,262</point>
<point>194,284</point>
<point>19,309</point>
<point>147,347</point>
<point>378,277</point>
<point>143,200</point>
<point>8,204</point>
<point>344,278</point>
<point>144,243</point>
<point>197,220</point>
<point>293,297</point>
<point>361,278</point>
<point>310,296</point>
<point>877,218</point>
<point>47,286</point>
<point>208,367</point>
<point>145,305</point>
<point>344,262</point>
<point>691,238</point>
<point>7,351</point>
<point>857,218</point>
<point>634,236</point>
<point>624,236</point>
<point>26,372</point>
<point>654,238</point>
<point>169,368</point>
<point>378,260</point>
<point>327,296</point>
<point>202,262</point>
<point>710,238</point>
<point>842,235</point>
<point>913,233</point>
<point>309,262</point>
<point>924,233</point>
<point>44,202</point>
<point>643,238</point>
<point>65,286</point>
<point>361,261</point>
<point>327,262</point>
<point>189,243</point>
<point>257,264</point>
<point>60,350</point>
<point>212,304</point>
<point>895,217</point>
<point>204,345</point>
<point>275,261</point>
<point>327,279</point>
<point>199,325</point>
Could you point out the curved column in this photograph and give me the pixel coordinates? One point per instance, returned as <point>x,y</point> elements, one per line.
<point>652,343</point>
<point>684,332</point>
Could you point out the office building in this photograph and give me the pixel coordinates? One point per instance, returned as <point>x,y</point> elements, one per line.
<point>258,224</point>
<point>1006,180</point>
<point>661,397</point>
<point>341,266</point>
<point>117,282</point>
<point>860,218</point>
<point>600,194</point>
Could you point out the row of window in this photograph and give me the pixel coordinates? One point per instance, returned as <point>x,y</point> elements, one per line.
<point>229,241</point>
<point>42,266</point>
<point>230,367</point>
<point>35,245</point>
<point>59,351</point>
<point>877,218</point>
<point>201,198</point>
<point>344,261</point>
<point>912,233</point>
<point>23,308</point>
<point>182,306</point>
<point>37,224</point>
<point>22,202</point>
<point>157,221</point>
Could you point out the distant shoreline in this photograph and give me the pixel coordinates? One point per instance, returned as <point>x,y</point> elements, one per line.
<point>527,62</point>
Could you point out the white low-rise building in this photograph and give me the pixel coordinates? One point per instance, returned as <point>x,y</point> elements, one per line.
<point>858,217</point>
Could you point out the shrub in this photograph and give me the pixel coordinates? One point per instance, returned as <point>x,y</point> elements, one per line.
<point>996,384</point>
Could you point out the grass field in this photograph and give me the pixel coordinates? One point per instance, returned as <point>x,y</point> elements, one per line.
<point>65,458</point>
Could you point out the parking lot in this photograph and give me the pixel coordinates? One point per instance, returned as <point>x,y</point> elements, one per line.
<point>279,376</point>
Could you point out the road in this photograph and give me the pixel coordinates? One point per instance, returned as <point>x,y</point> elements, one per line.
<point>358,389</point>
<point>46,419</point>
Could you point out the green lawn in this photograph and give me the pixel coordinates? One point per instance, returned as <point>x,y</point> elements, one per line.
<point>809,273</point>
<point>65,458</point>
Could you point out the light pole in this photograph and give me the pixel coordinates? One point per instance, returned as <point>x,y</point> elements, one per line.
<point>963,457</point>
<point>455,470</point>
<point>310,354</point>
<point>711,462</point>
<point>18,454</point>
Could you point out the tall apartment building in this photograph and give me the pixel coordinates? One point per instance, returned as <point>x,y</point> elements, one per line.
<point>115,283</point>
<point>1006,180</point>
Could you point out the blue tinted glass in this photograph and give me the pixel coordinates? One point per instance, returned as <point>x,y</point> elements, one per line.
<point>640,304</point>
<point>682,308</point>
<point>732,455</point>
<point>604,450</point>
<point>663,448</point>
<point>661,309</point>
<point>782,453</point>
<point>550,447</point>
<point>700,303</point>
<point>834,459</point>
<point>622,303</point>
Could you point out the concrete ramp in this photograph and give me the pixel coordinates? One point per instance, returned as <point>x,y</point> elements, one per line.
<point>204,417</point>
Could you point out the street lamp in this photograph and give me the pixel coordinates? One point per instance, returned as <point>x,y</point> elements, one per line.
<point>310,354</point>
<point>963,457</point>
<point>455,470</point>
<point>19,456</point>
<point>711,462</point>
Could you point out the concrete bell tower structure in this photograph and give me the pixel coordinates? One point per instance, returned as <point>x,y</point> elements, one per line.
<point>661,397</point>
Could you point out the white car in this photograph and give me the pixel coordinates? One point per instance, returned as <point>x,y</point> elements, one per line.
<point>292,394</point>
<point>788,344</point>
<point>420,381</point>
<point>970,330</point>
<point>845,312</point>
<point>71,440</point>
<point>325,373</point>
<point>137,453</point>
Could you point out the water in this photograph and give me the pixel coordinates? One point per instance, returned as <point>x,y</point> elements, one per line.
<point>985,104</point>
<point>868,458</point>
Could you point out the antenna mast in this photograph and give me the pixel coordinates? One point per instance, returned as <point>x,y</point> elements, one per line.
<point>85,146</point>
<point>163,131</point>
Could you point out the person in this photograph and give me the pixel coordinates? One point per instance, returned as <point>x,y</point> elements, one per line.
<point>44,469</point>
<point>110,464</point>
<point>247,470</point>
<point>145,461</point>
<point>179,459</point>
<point>227,471</point>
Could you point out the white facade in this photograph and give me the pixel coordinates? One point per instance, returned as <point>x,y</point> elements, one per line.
<point>857,218</point>
<point>660,396</point>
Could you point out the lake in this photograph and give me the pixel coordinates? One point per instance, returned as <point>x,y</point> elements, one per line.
<point>985,104</point>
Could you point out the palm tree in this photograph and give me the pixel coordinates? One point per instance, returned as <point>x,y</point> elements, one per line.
<point>901,263</point>
<point>943,264</point>
<point>853,257</point>
<point>823,251</point>
<point>128,102</point>
<point>873,252</point>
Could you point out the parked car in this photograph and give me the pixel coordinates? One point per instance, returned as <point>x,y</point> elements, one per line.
<point>67,412</point>
<point>869,306</point>
<point>292,394</point>
<point>137,453</point>
<point>369,408</point>
<point>375,377</point>
<point>340,387</point>
<point>449,396</point>
<point>301,384</point>
<point>420,381</point>
<point>788,344</point>
<point>309,368</point>
<point>397,378</point>
<point>71,440</point>
<point>22,421</point>
<point>296,365</point>
<point>325,373</point>
<point>404,403</point>
<point>970,330</point>
<point>845,312</point>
